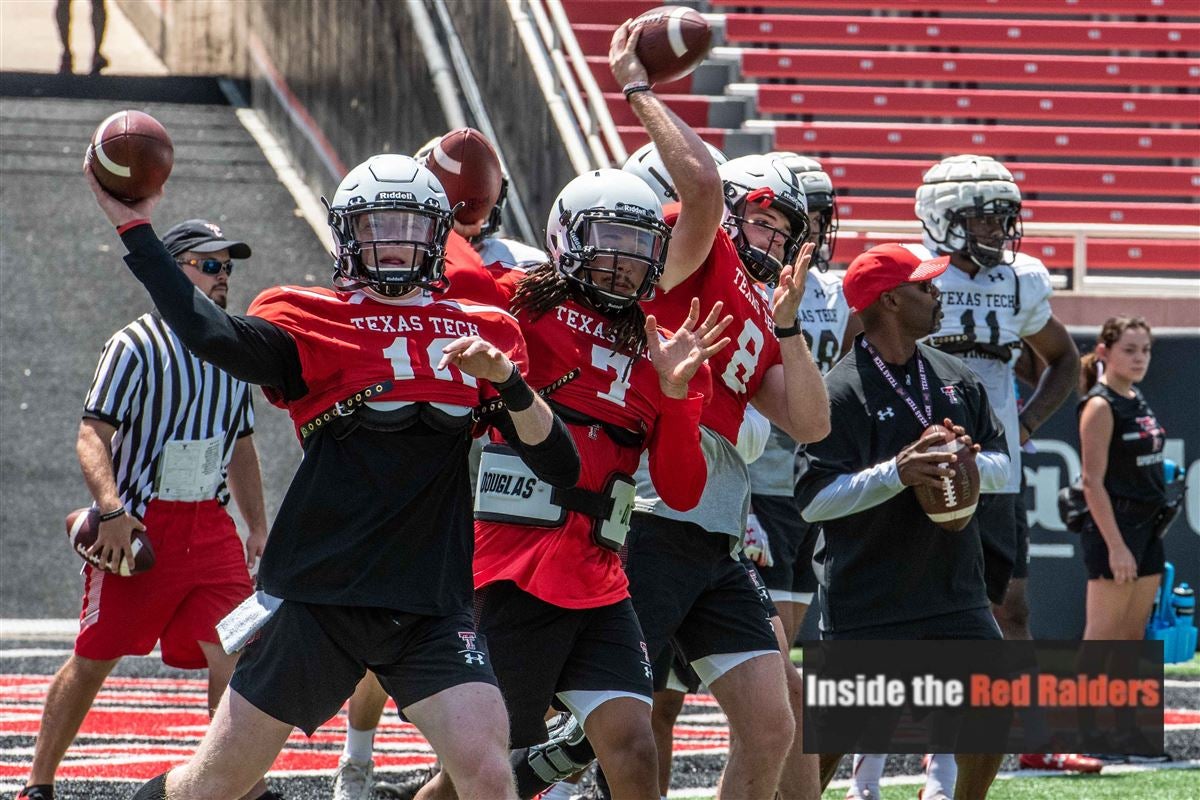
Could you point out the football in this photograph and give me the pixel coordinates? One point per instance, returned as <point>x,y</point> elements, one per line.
<point>131,155</point>
<point>673,41</point>
<point>83,526</point>
<point>953,505</point>
<point>469,169</point>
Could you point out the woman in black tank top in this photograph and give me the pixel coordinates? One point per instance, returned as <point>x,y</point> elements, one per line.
<point>1121,445</point>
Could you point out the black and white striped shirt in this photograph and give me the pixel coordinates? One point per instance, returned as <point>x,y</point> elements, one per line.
<point>153,391</point>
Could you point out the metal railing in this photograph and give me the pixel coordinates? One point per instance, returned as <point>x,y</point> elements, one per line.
<point>1079,233</point>
<point>575,100</point>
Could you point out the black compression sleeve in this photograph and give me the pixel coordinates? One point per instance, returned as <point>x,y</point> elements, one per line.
<point>248,348</point>
<point>553,460</point>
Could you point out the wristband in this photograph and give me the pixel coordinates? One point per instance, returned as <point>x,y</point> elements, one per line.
<point>133,223</point>
<point>633,87</point>
<point>116,513</point>
<point>515,391</point>
<point>791,330</point>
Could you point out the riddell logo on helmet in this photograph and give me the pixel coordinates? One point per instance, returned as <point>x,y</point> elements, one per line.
<point>395,196</point>
<point>629,207</point>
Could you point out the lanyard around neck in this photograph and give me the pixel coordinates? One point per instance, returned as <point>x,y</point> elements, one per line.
<point>926,419</point>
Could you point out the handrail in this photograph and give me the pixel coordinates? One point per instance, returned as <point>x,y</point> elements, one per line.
<point>549,79</point>
<point>1078,232</point>
<point>595,96</point>
<point>439,69</point>
<point>474,98</point>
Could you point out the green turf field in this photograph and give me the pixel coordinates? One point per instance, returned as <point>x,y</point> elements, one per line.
<point>1184,669</point>
<point>1162,785</point>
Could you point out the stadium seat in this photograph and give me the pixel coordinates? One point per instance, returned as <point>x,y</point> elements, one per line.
<point>1047,104</point>
<point>987,34</point>
<point>873,208</point>
<point>858,174</point>
<point>988,68</point>
<point>1075,8</point>
<point>1178,258</point>
<point>1002,142</point>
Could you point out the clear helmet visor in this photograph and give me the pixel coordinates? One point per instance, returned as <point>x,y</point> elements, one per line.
<point>393,243</point>
<point>623,255</point>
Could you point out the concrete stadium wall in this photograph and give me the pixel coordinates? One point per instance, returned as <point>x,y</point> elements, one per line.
<point>536,156</point>
<point>341,81</point>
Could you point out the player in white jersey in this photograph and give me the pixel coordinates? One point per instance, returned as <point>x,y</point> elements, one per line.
<point>993,299</point>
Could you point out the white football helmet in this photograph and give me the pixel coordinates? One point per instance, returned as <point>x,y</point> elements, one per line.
<point>648,165</point>
<point>959,190</point>
<point>606,235</point>
<point>767,182</point>
<point>821,199</point>
<point>390,219</point>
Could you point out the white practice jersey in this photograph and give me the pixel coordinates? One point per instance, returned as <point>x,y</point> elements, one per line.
<point>823,316</point>
<point>984,319</point>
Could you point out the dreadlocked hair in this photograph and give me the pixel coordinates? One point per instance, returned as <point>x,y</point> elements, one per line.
<point>544,288</point>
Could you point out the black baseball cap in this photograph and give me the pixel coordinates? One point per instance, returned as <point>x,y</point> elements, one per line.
<point>201,236</point>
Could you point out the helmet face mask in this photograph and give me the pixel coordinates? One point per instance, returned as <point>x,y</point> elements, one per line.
<point>991,231</point>
<point>764,258</point>
<point>606,236</point>
<point>390,219</point>
<point>764,183</point>
<point>822,205</point>
<point>970,205</point>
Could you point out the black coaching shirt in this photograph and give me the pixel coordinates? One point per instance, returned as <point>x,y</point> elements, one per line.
<point>891,563</point>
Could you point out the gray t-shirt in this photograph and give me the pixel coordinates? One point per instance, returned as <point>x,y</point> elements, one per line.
<point>725,501</point>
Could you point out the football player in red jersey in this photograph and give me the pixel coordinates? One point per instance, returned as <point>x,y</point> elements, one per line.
<point>482,267</point>
<point>369,566</point>
<point>547,570</point>
<point>683,583</point>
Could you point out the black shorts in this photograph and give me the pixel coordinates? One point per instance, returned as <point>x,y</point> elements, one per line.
<point>309,658</point>
<point>685,587</point>
<point>791,578</point>
<point>672,671</point>
<point>997,519</point>
<point>1136,523</point>
<point>974,623</point>
<point>539,649</point>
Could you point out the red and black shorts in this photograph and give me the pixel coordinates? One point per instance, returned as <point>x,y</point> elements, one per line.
<point>199,576</point>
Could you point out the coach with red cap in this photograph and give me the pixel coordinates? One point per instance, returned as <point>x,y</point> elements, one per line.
<point>886,571</point>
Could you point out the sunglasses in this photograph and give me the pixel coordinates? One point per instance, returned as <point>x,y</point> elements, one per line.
<point>209,266</point>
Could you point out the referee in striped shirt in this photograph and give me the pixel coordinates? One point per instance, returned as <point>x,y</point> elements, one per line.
<point>165,440</point>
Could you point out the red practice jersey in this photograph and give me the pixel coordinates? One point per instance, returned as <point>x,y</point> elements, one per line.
<point>468,276</point>
<point>350,340</point>
<point>562,565</point>
<point>738,370</point>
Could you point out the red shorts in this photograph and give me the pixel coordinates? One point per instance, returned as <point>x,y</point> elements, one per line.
<point>199,576</point>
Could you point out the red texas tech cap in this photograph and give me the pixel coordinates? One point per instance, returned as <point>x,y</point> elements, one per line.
<point>883,268</point>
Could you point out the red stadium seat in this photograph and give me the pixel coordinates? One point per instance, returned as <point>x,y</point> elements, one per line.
<point>989,68</point>
<point>998,141</point>
<point>605,11</point>
<point>1048,104</point>
<point>634,136</point>
<point>885,208</point>
<point>1181,258</point>
<point>692,109</point>
<point>1084,179</point>
<point>987,34</point>
<point>1075,8</point>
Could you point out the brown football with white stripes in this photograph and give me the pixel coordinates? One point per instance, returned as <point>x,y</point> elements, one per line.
<point>468,168</point>
<point>83,526</point>
<point>952,504</point>
<point>673,42</point>
<point>131,155</point>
